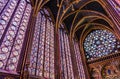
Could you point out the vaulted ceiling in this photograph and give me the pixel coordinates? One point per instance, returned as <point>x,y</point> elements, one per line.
<point>77,15</point>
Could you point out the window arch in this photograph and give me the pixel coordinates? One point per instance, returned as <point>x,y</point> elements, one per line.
<point>100,43</point>
<point>65,56</point>
<point>13,25</point>
<point>42,52</point>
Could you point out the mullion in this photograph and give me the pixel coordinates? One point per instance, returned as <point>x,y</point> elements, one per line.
<point>65,52</point>
<point>40,42</point>
<point>4,7</point>
<point>52,54</point>
<point>25,30</point>
<point>10,20</point>
<point>50,49</point>
<point>47,47</point>
<point>35,40</point>
<point>78,62</point>
<point>33,48</point>
<point>75,48</point>
<point>61,41</point>
<point>38,46</point>
<point>64,62</point>
<point>47,44</point>
<point>15,37</point>
<point>81,71</point>
<point>69,56</point>
<point>44,43</point>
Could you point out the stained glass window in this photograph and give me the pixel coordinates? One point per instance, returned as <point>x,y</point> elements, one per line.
<point>12,34</point>
<point>115,6</point>
<point>118,1</point>
<point>2,4</point>
<point>6,15</point>
<point>66,63</point>
<point>42,53</point>
<point>28,1</point>
<point>79,60</point>
<point>100,43</point>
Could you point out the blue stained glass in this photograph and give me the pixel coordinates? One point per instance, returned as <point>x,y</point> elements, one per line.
<point>13,34</point>
<point>42,53</point>
<point>99,43</point>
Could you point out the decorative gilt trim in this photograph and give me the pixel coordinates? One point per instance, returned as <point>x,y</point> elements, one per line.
<point>51,15</point>
<point>57,19</point>
<point>98,15</point>
<point>38,5</point>
<point>64,11</point>
<point>82,37</point>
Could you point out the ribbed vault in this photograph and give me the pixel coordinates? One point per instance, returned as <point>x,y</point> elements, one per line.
<point>75,13</point>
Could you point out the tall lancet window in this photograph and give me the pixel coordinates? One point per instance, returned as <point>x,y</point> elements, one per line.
<point>66,63</point>
<point>78,59</point>
<point>13,24</point>
<point>42,52</point>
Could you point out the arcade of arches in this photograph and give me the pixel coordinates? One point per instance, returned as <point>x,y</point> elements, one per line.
<point>59,39</point>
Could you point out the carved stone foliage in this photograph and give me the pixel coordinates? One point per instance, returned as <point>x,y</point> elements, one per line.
<point>109,69</point>
<point>95,74</point>
<point>8,77</point>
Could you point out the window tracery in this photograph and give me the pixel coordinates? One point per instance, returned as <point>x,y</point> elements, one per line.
<point>66,62</point>
<point>116,5</point>
<point>6,15</point>
<point>12,34</point>
<point>2,4</point>
<point>79,60</point>
<point>42,53</point>
<point>100,43</point>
